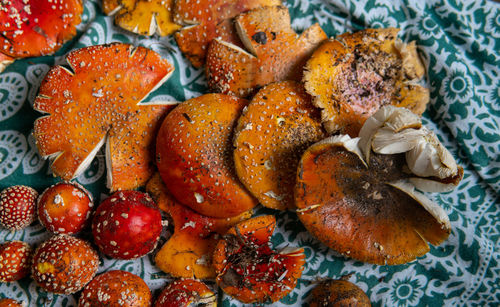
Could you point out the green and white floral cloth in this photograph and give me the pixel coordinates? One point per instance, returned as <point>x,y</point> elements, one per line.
<point>459,42</point>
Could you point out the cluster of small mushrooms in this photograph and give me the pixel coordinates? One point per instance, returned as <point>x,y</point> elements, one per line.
<point>329,128</point>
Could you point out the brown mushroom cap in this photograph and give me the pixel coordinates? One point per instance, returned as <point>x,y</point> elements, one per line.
<point>34,28</point>
<point>195,156</point>
<point>188,252</point>
<point>338,293</point>
<point>354,75</point>
<point>144,17</point>
<point>351,208</point>
<point>272,133</point>
<point>202,20</point>
<point>98,102</point>
<point>276,52</point>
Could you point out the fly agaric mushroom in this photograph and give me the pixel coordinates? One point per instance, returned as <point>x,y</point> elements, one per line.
<point>127,225</point>
<point>338,293</point>
<point>144,17</point>
<point>394,130</point>
<point>186,292</point>
<point>97,103</point>
<point>8,302</point>
<point>17,207</point>
<point>194,156</point>
<point>34,28</point>
<point>276,52</point>
<point>188,252</point>
<point>249,270</point>
<point>64,264</point>
<point>15,260</point>
<point>353,75</point>
<point>365,206</point>
<point>116,288</point>
<point>65,208</point>
<point>272,133</point>
<point>203,20</point>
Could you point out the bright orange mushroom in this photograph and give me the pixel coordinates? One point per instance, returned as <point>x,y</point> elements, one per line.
<point>272,133</point>
<point>360,209</point>
<point>276,53</point>
<point>249,270</point>
<point>355,74</point>
<point>144,17</point>
<point>205,20</point>
<point>185,293</point>
<point>188,252</point>
<point>96,103</point>
<point>194,155</point>
<point>33,28</point>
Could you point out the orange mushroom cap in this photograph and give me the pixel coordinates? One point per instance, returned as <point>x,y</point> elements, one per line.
<point>351,207</point>
<point>144,17</point>
<point>276,52</point>
<point>97,102</point>
<point>33,28</point>
<point>278,125</point>
<point>186,292</point>
<point>188,252</point>
<point>249,270</point>
<point>354,75</point>
<point>194,156</point>
<point>202,20</point>
<point>338,293</point>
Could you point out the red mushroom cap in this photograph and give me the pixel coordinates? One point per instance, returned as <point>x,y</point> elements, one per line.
<point>33,28</point>
<point>186,292</point>
<point>64,264</point>
<point>17,207</point>
<point>194,155</point>
<point>249,270</point>
<point>116,288</point>
<point>127,225</point>
<point>65,208</point>
<point>15,260</point>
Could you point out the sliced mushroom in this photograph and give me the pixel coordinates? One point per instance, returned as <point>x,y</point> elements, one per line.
<point>275,52</point>
<point>205,20</point>
<point>96,103</point>
<point>188,252</point>
<point>146,17</point>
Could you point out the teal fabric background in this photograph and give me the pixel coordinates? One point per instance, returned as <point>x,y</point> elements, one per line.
<point>459,42</point>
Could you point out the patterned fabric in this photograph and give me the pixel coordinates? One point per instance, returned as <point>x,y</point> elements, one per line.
<point>459,42</point>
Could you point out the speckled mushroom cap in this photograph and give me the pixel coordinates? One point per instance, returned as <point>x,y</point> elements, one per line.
<point>116,289</point>
<point>96,102</point>
<point>204,21</point>
<point>188,251</point>
<point>275,52</point>
<point>278,125</point>
<point>249,270</point>
<point>144,17</point>
<point>64,264</point>
<point>354,208</point>
<point>355,74</point>
<point>194,155</point>
<point>185,293</point>
<point>36,27</point>
<point>15,260</point>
